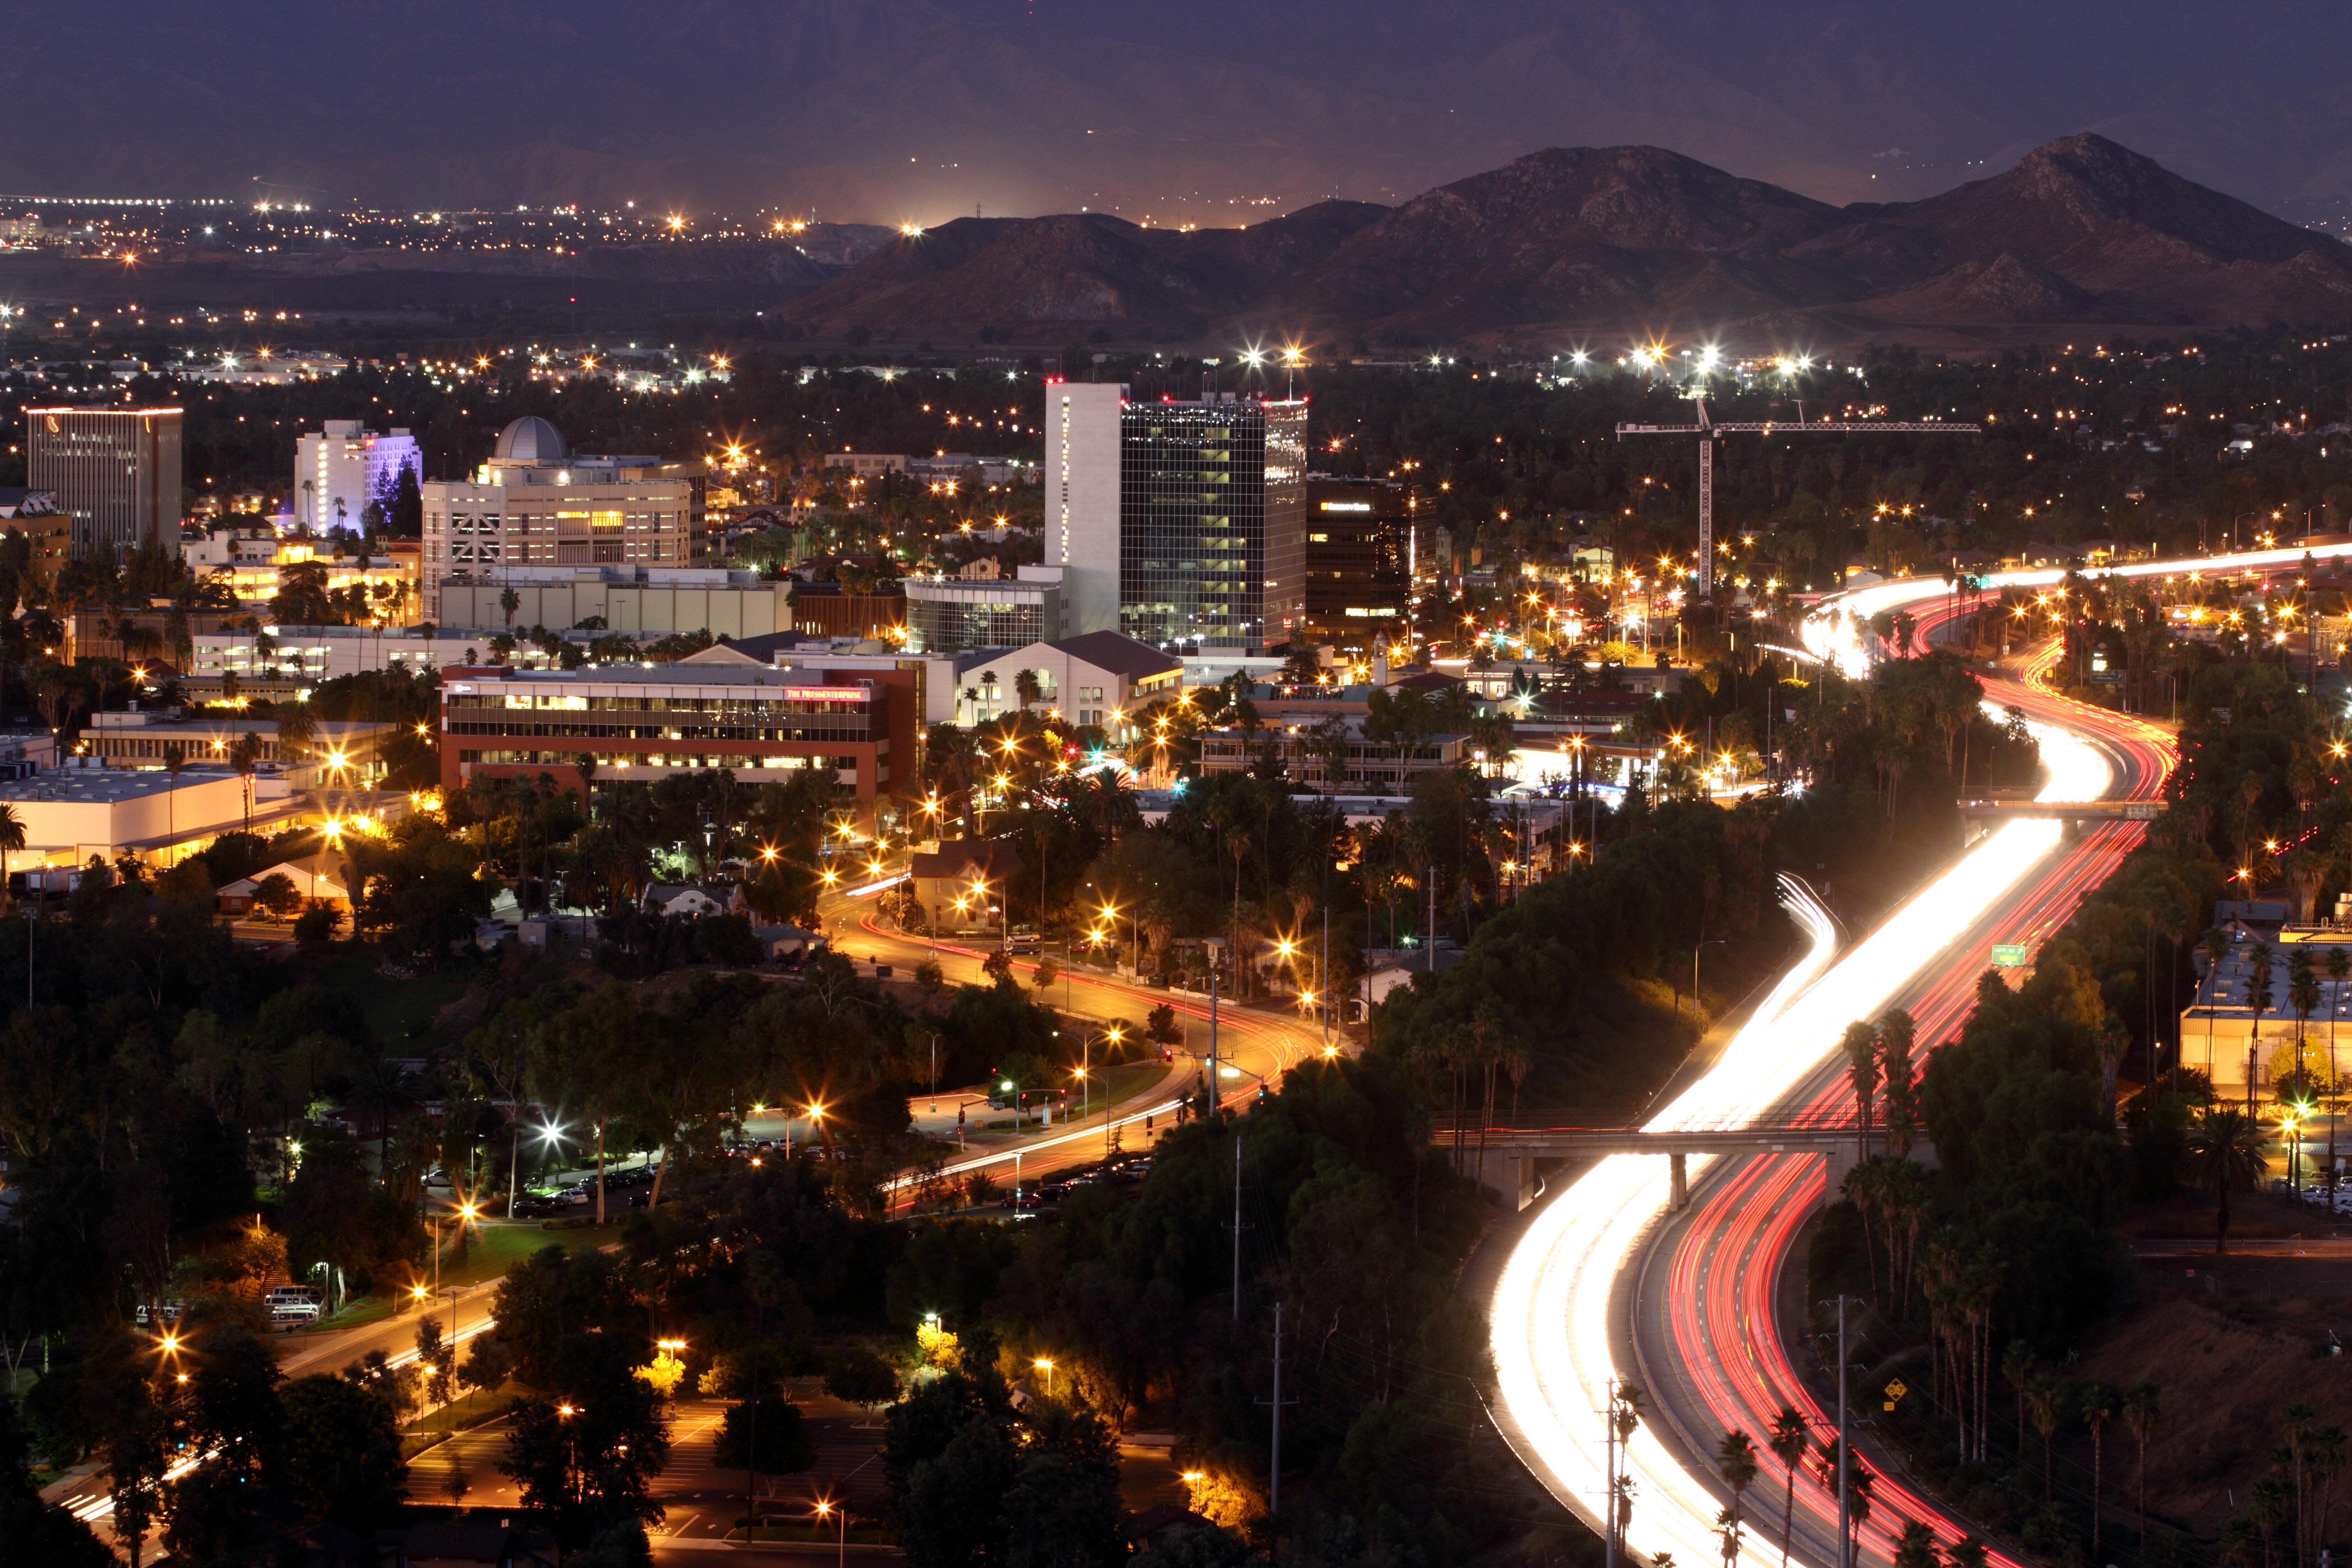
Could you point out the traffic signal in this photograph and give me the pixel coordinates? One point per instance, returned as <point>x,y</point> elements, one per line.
<point>1261,1094</point>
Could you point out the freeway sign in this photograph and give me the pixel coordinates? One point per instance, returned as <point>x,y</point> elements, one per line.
<point>2009,954</point>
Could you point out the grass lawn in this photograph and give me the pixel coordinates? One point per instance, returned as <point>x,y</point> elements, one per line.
<point>399,1011</point>
<point>1126,1079</point>
<point>470,1410</point>
<point>495,1248</point>
<point>498,1246</point>
<point>864,1538</point>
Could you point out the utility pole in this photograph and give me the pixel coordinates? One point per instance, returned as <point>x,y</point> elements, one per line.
<point>1845,1447</point>
<point>1609,1483</point>
<point>1273,1471</point>
<point>1237,1227</point>
<point>1327,960</point>
<point>1707,430</point>
<point>1209,1111</point>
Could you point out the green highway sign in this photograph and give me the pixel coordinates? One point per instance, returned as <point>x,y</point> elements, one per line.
<point>2009,954</point>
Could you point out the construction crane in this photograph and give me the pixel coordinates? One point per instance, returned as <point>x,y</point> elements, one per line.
<point>1707,430</point>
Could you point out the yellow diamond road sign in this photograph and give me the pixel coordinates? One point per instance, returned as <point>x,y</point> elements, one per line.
<point>1894,1392</point>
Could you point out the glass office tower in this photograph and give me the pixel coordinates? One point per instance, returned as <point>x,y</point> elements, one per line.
<point>1212,521</point>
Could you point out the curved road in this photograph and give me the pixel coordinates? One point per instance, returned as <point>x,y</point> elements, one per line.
<point>1255,1044</point>
<point>1687,1305</point>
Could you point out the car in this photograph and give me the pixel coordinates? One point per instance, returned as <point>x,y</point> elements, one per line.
<point>169,1312</point>
<point>290,1313</point>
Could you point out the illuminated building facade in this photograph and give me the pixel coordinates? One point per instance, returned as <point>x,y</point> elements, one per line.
<point>345,466</point>
<point>115,475</point>
<point>1357,585</point>
<point>637,723</point>
<point>536,504</point>
<point>1195,511</point>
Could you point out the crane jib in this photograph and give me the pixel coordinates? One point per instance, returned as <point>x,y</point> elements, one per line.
<point>1707,430</point>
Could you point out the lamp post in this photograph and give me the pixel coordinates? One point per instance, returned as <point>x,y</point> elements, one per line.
<point>570,1449</point>
<point>1045,1365</point>
<point>1714,942</point>
<point>825,1510</point>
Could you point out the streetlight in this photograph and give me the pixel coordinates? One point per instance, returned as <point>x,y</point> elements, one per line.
<point>824,1510</point>
<point>1046,1366</point>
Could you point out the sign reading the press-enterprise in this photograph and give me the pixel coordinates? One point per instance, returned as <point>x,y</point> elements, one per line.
<point>2009,954</point>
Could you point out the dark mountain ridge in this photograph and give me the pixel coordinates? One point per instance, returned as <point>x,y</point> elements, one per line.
<point>1575,241</point>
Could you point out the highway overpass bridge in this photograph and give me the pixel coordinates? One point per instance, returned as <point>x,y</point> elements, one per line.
<point>1502,1155</point>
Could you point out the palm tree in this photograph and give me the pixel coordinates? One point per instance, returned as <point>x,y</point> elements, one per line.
<point>384,1088</point>
<point>2017,1371</point>
<point>2042,1402</point>
<point>2339,965</point>
<point>2217,949</point>
<point>1857,1490</point>
<point>2139,1420</point>
<point>1736,1456</point>
<point>1028,688</point>
<point>245,756</point>
<point>2098,1410</point>
<point>1788,1442</point>
<point>1860,1044</point>
<point>2225,1150</point>
<point>12,836</point>
<point>2258,1000</point>
<point>296,727</point>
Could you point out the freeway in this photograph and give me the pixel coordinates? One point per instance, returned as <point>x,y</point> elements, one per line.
<point>1691,1306</point>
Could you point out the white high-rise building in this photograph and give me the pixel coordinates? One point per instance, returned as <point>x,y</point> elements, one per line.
<point>1177,522</point>
<point>1082,495</point>
<point>338,471</point>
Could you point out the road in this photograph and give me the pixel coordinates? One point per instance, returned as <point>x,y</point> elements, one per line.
<point>1255,1044</point>
<point>1692,1306</point>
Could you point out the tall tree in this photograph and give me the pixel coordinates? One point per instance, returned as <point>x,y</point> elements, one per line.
<point>1861,1045</point>
<point>1789,1440</point>
<point>2225,1150</point>
<point>2140,1410</point>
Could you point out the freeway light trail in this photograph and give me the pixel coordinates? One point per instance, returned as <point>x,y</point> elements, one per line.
<point>1571,1266</point>
<point>1722,1364</point>
<point>1567,1266</point>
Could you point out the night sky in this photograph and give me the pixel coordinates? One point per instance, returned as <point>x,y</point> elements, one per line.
<point>894,110</point>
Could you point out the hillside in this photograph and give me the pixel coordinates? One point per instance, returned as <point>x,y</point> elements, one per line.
<point>1570,244</point>
<point>1080,271</point>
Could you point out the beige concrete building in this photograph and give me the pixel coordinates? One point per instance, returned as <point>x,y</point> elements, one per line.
<point>251,562</point>
<point>73,812</point>
<point>2220,1028</point>
<point>624,598</point>
<point>538,504</point>
<point>341,751</point>
<point>298,657</point>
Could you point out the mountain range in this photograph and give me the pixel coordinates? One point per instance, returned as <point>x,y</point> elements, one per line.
<point>1594,246</point>
<point>900,110</point>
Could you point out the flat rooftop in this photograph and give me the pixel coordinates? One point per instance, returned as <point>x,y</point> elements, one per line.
<point>104,787</point>
<point>680,673</point>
